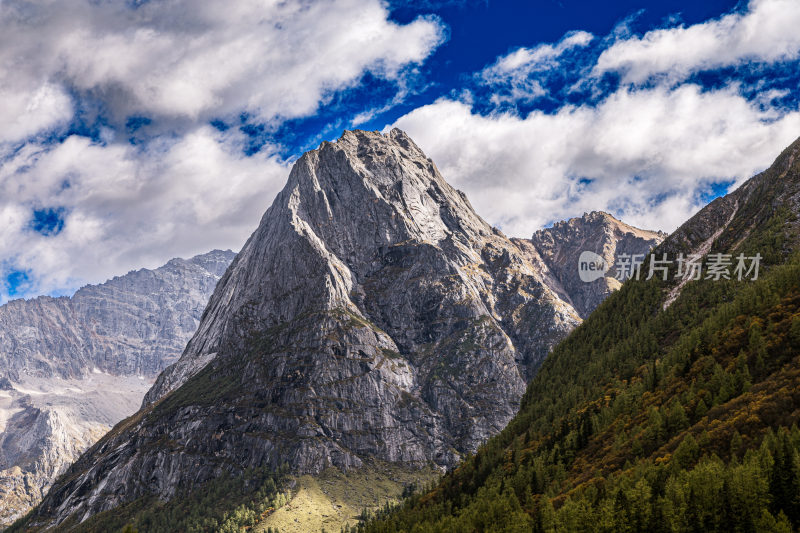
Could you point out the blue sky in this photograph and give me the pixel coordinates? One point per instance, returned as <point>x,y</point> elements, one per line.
<point>134,132</point>
<point>478,32</point>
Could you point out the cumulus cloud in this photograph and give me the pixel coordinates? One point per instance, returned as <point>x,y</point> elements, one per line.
<point>123,209</point>
<point>173,66</point>
<point>198,60</point>
<point>652,153</point>
<point>765,32</point>
<point>515,77</point>
<point>646,155</point>
<point>647,149</point>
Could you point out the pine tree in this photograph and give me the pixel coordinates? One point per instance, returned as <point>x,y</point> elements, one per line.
<point>794,333</point>
<point>784,481</point>
<point>727,519</point>
<point>622,512</point>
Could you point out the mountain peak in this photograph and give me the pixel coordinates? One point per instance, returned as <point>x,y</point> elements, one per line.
<point>381,180</point>
<point>343,203</point>
<point>562,245</point>
<point>372,316</point>
<point>608,220</point>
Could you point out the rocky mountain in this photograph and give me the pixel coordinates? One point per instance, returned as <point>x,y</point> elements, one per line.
<point>373,317</point>
<point>73,367</point>
<point>134,324</point>
<point>674,407</point>
<point>561,246</point>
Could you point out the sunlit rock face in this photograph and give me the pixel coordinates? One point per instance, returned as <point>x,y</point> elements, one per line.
<point>562,245</point>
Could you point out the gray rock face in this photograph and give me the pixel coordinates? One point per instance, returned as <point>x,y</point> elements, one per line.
<point>372,314</point>
<point>70,368</point>
<point>386,294</point>
<point>134,324</point>
<point>369,225</point>
<point>561,245</point>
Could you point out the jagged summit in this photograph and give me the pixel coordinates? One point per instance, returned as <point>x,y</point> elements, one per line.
<point>385,181</point>
<point>70,337</point>
<point>215,261</point>
<point>561,245</point>
<point>594,217</point>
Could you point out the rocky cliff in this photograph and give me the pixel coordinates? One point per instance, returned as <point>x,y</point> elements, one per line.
<point>373,315</point>
<point>562,244</point>
<point>74,367</point>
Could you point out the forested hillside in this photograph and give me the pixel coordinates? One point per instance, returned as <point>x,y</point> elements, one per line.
<point>674,407</point>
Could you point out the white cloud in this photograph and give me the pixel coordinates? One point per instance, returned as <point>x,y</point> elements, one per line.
<point>24,111</point>
<point>195,60</point>
<point>766,32</point>
<point>125,209</point>
<point>515,74</point>
<point>648,153</point>
<point>525,60</point>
